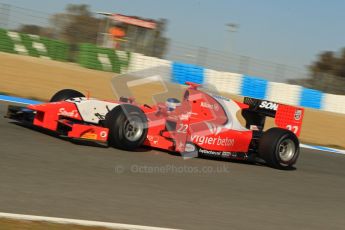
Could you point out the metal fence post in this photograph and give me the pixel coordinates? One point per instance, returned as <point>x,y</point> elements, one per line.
<point>244,64</point>
<point>201,57</point>
<point>4,15</point>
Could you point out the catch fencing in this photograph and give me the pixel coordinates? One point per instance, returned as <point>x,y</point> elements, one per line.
<point>227,72</point>
<point>13,17</point>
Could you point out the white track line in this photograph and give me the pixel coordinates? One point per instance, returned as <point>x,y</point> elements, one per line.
<point>87,223</point>
<point>324,149</point>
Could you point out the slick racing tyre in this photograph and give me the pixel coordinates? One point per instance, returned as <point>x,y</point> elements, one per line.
<point>65,94</point>
<point>279,148</point>
<point>127,126</point>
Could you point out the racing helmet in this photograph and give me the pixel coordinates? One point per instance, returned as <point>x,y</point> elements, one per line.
<point>172,103</point>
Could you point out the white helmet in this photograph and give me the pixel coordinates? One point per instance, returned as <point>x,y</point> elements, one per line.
<point>172,103</point>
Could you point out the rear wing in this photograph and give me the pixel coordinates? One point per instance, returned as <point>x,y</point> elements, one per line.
<point>285,116</point>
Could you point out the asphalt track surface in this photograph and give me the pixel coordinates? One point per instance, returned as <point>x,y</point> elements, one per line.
<point>44,175</point>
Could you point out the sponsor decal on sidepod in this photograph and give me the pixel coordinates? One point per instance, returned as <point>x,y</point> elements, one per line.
<point>218,141</point>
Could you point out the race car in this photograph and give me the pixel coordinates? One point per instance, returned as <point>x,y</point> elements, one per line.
<point>202,124</point>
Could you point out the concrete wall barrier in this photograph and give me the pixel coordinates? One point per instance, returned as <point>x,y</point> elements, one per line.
<point>93,57</point>
<point>253,87</point>
<point>224,81</point>
<point>140,62</point>
<point>333,103</point>
<point>182,73</point>
<point>33,45</point>
<point>311,98</point>
<point>284,93</point>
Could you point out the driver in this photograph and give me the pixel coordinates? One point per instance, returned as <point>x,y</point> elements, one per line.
<point>172,103</point>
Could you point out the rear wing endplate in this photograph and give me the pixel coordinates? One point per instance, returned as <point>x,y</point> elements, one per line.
<point>285,116</point>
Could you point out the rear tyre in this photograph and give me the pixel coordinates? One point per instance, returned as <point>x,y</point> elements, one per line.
<point>66,94</point>
<point>127,126</point>
<point>279,148</point>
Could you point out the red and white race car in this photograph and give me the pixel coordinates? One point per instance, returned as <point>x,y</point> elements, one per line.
<point>202,124</point>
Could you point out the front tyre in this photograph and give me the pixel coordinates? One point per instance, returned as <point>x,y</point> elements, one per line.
<point>279,148</point>
<point>127,126</point>
<point>66,94</point>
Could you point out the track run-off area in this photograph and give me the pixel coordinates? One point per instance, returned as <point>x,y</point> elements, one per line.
<point>48,176</point>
